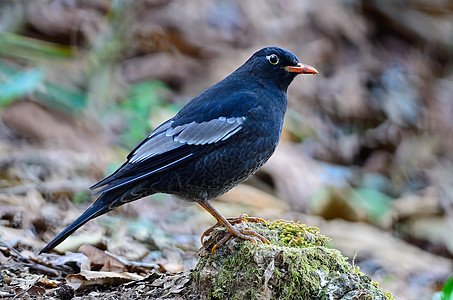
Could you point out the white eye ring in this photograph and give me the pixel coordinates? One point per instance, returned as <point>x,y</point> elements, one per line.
<point>273,59</point>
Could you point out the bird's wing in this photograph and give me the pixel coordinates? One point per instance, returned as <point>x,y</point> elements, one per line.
<point>169,138</point>
<point>169,146</point>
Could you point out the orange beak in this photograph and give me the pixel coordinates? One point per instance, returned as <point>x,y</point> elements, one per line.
<point>301,69</point>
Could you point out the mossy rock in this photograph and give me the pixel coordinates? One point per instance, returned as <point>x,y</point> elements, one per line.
<point>296,265</point>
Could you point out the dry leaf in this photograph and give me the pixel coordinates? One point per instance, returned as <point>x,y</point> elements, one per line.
<point>101,260</point>
<point>91,278</point>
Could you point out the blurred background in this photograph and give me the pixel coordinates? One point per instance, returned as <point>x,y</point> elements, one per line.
<point>366,153</point>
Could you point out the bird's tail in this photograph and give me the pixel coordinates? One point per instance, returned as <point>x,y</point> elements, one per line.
<point>98,208</point>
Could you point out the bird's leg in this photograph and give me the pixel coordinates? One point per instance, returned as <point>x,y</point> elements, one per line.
<point>246,234</point>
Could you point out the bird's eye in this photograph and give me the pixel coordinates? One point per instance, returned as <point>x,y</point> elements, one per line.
<point>273,59</point>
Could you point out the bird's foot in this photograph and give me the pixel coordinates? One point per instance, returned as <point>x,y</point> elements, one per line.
<point>243,233</point>
<point>232,221</point>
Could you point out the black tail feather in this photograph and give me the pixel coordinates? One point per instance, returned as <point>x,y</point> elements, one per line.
<point>97,209</point>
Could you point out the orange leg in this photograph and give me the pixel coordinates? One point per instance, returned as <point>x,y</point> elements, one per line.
<point>246,233</point>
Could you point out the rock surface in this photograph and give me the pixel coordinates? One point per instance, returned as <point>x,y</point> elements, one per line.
<point>296,265</point>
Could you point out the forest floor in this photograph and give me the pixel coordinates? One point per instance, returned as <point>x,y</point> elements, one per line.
<point>366,153</point>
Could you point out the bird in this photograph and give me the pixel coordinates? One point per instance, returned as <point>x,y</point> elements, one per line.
<point>216,141</point>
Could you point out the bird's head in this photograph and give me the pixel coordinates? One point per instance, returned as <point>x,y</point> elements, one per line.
<point>277,66</point>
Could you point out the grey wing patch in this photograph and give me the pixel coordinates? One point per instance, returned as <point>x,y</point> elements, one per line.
<point>166,137</point>
<point>206,132</point>
<point>157,143</point>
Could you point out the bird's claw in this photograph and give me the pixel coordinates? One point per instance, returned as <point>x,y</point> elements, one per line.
<point>243,233</point>
<point>208,232</point>
<point>245,218</point>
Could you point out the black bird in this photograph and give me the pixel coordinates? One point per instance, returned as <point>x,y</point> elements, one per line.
<point>216,141</point>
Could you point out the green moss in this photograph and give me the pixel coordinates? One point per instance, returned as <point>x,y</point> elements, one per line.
<point>296,265</point>
<point>293,234</point>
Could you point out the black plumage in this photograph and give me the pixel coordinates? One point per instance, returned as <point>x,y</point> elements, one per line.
<point>216,141</point>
